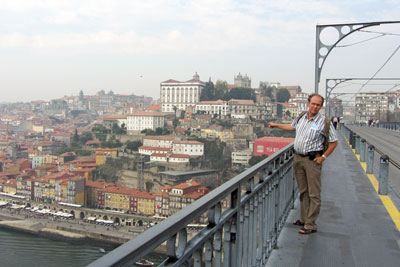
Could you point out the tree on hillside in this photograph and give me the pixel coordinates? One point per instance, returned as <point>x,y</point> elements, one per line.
<point>241,93</point>
<point>118,130</point>
<point>221,85</point>
<point>76,136</point>
<point>267,90</point>
<point>133,145</point>
<point>283,95</point>
<point>208,92</point>
<point>84,137</point>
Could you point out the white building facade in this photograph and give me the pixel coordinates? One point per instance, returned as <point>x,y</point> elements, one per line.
<point>140,121</point>
<point>218,107</point>
<point>191,148</point>
<point>158,141</point>
<point>371,105</point>
<point>180,94</point>
<point>241,157</point>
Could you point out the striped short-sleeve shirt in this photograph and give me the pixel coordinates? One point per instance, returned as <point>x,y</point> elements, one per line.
<point>310,134</point>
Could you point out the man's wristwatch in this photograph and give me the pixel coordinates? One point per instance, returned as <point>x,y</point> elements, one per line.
<point>323,156</point>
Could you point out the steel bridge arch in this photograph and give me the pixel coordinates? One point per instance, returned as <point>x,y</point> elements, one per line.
<point>340,28</point>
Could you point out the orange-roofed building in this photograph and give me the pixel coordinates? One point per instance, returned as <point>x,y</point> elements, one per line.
<point>103,153</point>
<point>117,198</point>
<point>25,188</point>
<point>87,173</point>
<point>23,164</point>
<point>92,191</point>
<point>126,199</point>
<point>154,107</point>
<point>161,204</point>
<point>145,202</point>
<point>93,143</point>
<point>66,157</point>
<point>10,186</point>
<point>177,193</point>
<point>44,188</point>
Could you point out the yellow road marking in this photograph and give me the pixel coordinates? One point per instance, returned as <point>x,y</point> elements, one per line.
<point>386,201</point>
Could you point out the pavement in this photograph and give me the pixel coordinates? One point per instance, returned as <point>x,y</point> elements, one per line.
<point>354,227</point>
<point>72,229</point>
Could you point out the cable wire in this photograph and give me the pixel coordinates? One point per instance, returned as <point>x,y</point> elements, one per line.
<point>385,33</point>
<point>384,64</point>
<point>363,41</point>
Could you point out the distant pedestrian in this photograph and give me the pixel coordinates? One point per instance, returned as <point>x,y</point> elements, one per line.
<point>334,122</point>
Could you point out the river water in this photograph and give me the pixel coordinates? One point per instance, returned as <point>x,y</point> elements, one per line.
<point>22,249</point>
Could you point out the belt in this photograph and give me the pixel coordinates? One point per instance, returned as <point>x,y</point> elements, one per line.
<point>311,154</point>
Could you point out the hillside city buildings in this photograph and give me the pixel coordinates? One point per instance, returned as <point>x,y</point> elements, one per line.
<point>62,150</point>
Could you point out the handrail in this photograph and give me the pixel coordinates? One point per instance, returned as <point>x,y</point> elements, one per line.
<point>245,217</point>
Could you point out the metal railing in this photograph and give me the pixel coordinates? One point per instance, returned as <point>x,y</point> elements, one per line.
<point>245,217</point>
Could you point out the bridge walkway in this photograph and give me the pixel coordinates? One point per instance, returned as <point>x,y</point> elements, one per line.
<point>354,227</point>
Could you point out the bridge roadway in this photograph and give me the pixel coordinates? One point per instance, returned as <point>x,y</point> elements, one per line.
<point>354,227</point>
<point>387,142</point>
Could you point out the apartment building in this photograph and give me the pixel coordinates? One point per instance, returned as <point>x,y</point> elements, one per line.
<point>372,105</point>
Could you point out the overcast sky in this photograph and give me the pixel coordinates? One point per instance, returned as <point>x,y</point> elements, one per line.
<point>52,48</point>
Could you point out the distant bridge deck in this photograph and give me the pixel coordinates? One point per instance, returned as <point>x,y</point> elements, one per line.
<point>354,227</point>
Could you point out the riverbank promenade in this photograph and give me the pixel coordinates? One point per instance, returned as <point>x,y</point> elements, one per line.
<point>354,226</point>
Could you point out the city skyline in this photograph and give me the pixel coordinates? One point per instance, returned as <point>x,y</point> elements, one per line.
<point>49,49</point>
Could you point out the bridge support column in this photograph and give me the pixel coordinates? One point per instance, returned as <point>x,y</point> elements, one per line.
<point>352,140</point>
<point>362,150</point>
<point>357,144</point>
<point>383,175</point>
<point>370,159</point>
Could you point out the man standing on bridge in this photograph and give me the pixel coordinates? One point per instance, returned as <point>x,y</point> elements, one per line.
<point>308,158</point>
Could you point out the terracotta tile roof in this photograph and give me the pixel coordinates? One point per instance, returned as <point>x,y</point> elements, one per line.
<point>98,184</point>
<point>243,101</point>
<point>159,138</point>
<point>188,142</point>
<point>93,142</point>
<point>194,195</point>
<point>216,102</point>
<point>185,156</point>
<point>171,81</point>
<point>155,148</point>
<point>100,149</point>
<point>67,154</point>
<point>146,113</point>
<point>154,107</point>
<point>158,155</point>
